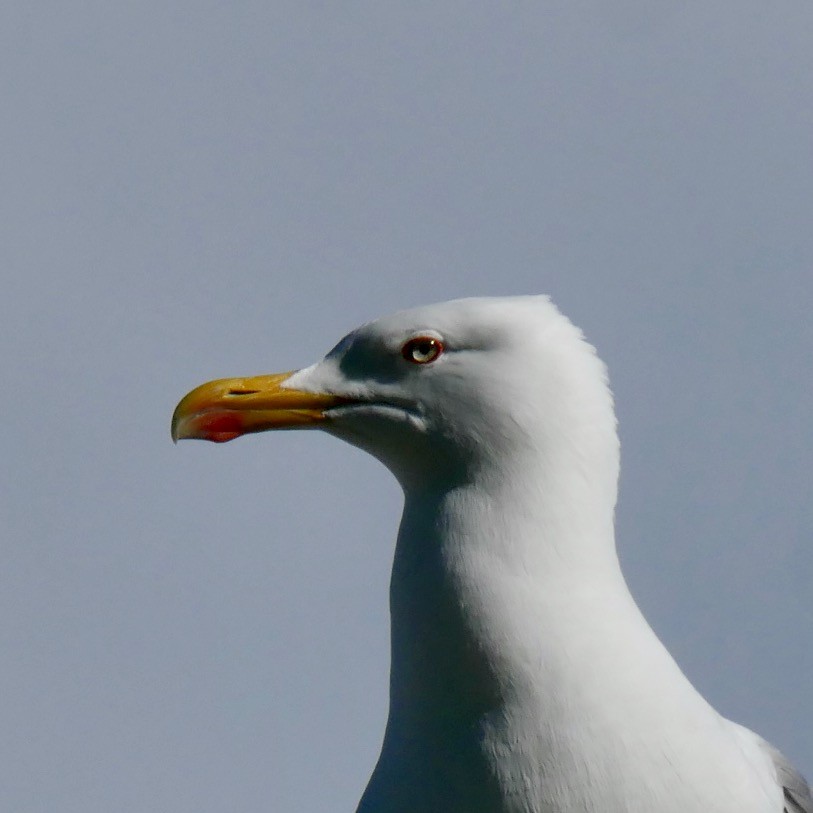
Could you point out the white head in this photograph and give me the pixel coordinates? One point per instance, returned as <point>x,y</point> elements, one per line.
<point>451,392</point>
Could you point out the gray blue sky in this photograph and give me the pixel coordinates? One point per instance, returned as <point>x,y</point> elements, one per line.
<point>194,190</point>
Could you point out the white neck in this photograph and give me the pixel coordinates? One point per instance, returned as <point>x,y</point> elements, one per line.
<point>505,620</point>
<point>476,570</point>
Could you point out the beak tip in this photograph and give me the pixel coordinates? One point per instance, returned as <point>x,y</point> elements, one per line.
<point>173,428</point>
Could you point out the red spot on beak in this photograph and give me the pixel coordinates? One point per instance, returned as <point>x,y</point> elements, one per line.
<point>219,427</point>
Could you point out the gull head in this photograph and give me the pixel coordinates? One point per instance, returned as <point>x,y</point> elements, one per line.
<point>446,392</point>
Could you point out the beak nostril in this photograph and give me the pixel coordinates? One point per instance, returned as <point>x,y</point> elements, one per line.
<point>242,392</point>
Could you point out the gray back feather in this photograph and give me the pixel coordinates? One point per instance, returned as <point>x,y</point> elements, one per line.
<point>798,798</point>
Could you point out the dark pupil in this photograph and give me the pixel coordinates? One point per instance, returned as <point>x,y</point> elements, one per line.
<point>424,348</point>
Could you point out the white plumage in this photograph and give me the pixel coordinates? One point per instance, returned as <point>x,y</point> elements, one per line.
<point>524,678</point>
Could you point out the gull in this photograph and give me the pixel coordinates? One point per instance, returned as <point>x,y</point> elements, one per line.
<point>524,678</point>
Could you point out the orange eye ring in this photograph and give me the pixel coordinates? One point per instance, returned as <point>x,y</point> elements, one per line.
<point>422,349</point>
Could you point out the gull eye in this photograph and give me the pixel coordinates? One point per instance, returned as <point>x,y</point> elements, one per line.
<point>422,349</point>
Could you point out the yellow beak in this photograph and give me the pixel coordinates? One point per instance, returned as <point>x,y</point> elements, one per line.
<point>229,407</point>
